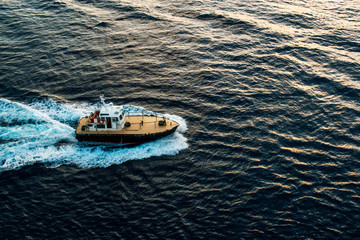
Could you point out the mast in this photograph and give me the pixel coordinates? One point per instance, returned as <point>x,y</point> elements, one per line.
<point>102,100</point>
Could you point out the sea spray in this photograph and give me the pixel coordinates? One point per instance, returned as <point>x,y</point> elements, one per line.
<point>44,132</point>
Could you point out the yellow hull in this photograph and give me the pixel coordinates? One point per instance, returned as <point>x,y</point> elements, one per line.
<point>138,130</point>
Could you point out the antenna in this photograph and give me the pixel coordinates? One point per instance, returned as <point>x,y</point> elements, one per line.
<point>102,99</point>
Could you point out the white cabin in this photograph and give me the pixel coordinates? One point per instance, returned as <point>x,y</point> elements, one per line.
<point>109,117</point>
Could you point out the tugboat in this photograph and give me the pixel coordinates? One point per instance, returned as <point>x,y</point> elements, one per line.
<point>110,124</point>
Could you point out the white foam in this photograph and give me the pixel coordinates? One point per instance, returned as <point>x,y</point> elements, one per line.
<point>41,132</point>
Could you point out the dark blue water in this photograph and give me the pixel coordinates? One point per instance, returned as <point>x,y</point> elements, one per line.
<point>267,94</point>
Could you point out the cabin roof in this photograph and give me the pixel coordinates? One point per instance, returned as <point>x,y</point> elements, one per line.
<point>109,110</point>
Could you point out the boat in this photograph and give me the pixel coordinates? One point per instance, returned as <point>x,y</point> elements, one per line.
<point>110,124</point>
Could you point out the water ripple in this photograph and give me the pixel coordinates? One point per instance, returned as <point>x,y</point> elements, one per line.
<point>268,96</point>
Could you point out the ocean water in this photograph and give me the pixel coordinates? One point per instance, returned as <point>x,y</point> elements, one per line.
<point>267,94</point>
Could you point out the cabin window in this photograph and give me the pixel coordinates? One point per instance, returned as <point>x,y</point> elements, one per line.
<point>121,117</point>
<point>89,125</point>
<point>114,119</point>
<point>100,126</point>
<point>108,122</point>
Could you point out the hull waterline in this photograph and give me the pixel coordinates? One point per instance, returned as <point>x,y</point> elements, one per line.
<point>127,139</point>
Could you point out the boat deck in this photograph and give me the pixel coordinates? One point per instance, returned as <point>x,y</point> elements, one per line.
<point>139,125</point>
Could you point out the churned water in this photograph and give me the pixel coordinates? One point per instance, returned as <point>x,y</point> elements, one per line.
<point>42,133</point>
<point>266,93</point>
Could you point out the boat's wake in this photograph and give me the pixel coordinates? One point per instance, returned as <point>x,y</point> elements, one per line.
<point>44,132</point>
